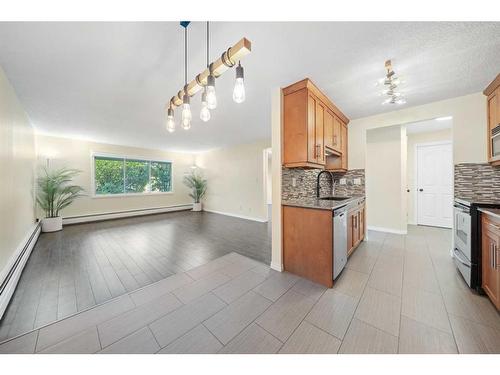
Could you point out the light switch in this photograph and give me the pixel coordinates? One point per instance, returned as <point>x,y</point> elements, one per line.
<point>343,181</point>
<point>294,181</point>
<point>357,181</point>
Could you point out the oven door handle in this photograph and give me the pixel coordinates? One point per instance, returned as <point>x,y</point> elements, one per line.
<point>456,252</point>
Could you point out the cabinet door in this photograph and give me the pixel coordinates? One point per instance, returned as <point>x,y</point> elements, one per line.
<point>489,265</point>
<point>320,142</point>
<point>311,128</point>
<point>493,117</point>
<point>350,232</point>
<point>337,136</point>
<point>343,142</point>
<point>362,223</point>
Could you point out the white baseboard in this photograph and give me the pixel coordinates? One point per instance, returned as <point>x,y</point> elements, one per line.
<point>387,230</point>
<point>277,267</point>
<point>123,214</point>
<point>11,273</point>
<point>238,216</point>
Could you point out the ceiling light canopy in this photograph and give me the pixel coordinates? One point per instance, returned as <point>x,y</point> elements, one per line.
<point>391,82</point>
<point>206,81</point>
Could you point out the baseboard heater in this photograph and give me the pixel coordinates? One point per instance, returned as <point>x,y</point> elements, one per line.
<point>123,214</point>
<point>12,272</point>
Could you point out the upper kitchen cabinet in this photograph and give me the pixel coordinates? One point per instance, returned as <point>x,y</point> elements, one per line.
<point>314,129</point>
<point>493,114</point>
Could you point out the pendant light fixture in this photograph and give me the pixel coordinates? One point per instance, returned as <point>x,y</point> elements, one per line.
<point>205,81</point>
<point>186,108</point>
<point>170,125</point>
<point>210,90</point>
<point>239,86</point>
<point>205,112</point>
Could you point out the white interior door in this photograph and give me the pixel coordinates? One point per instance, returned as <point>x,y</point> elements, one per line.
<point>435,185</point>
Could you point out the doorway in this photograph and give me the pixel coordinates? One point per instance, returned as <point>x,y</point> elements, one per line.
<point>434,184</point>
<point>268,188</point>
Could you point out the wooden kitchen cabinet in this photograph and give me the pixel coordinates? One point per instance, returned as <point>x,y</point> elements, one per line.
<point>490,265</point>
<point>355,228</point>
<point>339,164</point>
<point>308,243</point>
<point>493,115</point>
<point>313,132</point>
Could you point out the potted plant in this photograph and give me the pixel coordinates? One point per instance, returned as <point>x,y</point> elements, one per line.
<point>198,186</point>
<point>55,193</point>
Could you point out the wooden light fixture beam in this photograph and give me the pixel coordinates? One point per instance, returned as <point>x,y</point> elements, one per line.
<point>234,54</point>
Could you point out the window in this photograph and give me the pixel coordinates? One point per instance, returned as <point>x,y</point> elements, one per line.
<point>120,175</point>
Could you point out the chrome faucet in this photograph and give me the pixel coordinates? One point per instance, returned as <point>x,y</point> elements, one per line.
<point>317,181</point>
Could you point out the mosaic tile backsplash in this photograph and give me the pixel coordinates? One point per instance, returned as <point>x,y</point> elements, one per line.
<point>477,181</point>
<point>306,183</point>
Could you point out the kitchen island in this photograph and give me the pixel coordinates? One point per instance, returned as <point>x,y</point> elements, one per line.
<point>309,235</point>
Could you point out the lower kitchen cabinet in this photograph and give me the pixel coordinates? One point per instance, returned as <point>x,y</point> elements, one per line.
<point>490,267</point>
<point>308,243</point>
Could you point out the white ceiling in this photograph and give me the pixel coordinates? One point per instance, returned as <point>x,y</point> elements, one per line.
<point>109,81</point>
<point>427,126</point>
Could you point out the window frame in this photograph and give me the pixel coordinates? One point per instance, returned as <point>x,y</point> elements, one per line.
<point>92,189</point>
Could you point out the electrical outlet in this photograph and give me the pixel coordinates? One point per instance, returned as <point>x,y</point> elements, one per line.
<point>294,181</point>
<point>343,181</point>
<point>357,181</point>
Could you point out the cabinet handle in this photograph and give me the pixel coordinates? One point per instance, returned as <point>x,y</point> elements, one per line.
<point>495,252</point>
<point>335,140</point>
<point>492,255</point>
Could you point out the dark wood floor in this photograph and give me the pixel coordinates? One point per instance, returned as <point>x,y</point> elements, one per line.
<point>87,264</point>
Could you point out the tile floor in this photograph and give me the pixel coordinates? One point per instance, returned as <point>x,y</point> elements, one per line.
<point>398,294</point>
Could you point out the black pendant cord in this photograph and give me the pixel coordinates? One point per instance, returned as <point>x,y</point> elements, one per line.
<point>208,43</point>
<point>185,55</point>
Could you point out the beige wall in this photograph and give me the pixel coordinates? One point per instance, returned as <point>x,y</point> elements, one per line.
<point>469,127</point>
<point>236,180</point>
<point>73,153</point>
<point>413,140</point>
<point>17,161</point>
<point>385,179</point>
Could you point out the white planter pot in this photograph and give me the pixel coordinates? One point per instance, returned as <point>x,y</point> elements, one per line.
<point>196,206</point>
<point>52,224</point>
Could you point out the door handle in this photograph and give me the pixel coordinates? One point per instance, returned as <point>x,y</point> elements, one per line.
<point>420,189</point>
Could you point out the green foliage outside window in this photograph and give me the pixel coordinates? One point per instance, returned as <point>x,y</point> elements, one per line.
<point>161,176</point>
<point>122,176</point>
<point>136,176</point>
<point>108,175</point>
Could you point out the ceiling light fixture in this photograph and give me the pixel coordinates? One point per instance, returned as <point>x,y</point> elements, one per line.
<point>206,81</point>
<point>391,83</point>
<point>444,118</point>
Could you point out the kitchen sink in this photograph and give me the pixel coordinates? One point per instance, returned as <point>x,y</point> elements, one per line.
<point>334,198</point>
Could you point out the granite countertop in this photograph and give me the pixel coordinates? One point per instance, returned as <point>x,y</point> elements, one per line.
<point>491,211</point>
<point>479,201</point>
<point>319,203</point>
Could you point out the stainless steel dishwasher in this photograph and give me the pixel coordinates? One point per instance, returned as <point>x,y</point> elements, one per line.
<point>339,240</point>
